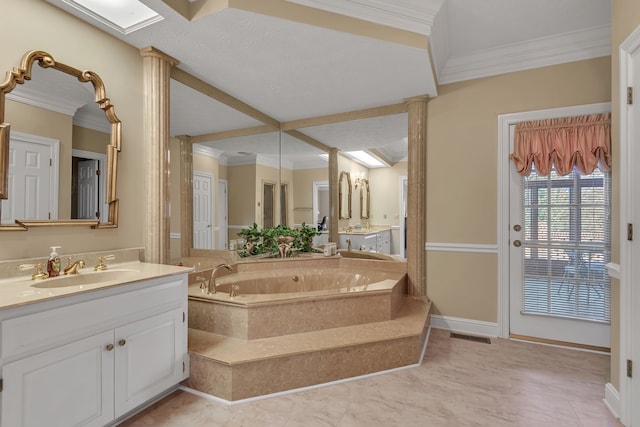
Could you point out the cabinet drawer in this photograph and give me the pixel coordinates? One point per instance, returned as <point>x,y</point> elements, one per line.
<point>39,331</point>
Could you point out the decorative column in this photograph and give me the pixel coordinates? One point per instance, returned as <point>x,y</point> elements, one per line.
<point>333,195</point>
<point>186,195</point>
<point>156,68</point>
<point>417,196</point>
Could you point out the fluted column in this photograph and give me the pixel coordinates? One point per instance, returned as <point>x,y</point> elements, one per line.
<point>156,68</point>
<point>186,195</point>
<point>333,195</point>
<point>417,196</point>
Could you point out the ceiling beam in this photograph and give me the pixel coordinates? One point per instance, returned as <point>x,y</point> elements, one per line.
<point>367,113</point>
<point>384,158</point>
<point>216,136</point>
<point>221,96</point>
<point>309,140</point>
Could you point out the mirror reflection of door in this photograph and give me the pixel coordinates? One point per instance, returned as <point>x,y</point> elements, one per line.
<point>223,215</point>
<point>283,204</point>
<point>85,188</point>
<point>202,210</point>
<point>268,196</point>
<point>33,179</point>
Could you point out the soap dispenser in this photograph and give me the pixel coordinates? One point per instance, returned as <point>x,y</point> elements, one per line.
<point>53,264</point>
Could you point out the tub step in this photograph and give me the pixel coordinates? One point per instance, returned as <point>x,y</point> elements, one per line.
<point>234,369</point>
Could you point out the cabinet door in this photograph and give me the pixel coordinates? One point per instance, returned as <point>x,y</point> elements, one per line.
<point>149,358</point>
<point>71,385</point>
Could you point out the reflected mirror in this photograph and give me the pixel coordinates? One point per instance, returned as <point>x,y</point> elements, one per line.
<point>58,115</point>
<point>344,195</point>
<point>364,199</point>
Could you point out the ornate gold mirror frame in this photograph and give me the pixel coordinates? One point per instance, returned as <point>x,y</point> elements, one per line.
<point>344,195</point>
<point>364,199</point>
<point>18,76</point>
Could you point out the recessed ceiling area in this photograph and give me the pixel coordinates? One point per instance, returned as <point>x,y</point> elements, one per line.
<point>298,59</point>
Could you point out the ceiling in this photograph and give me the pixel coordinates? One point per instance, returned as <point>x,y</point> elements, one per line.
<point>299,59</point>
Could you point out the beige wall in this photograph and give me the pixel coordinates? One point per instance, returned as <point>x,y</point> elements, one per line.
<point>34,24</point>
<point>175,214</point>
<point>384,188</point>
<point>303,193</point>
<point>90,140</point>
<point>624,20</point>
<point>242,197</point>
<point>462,169</point>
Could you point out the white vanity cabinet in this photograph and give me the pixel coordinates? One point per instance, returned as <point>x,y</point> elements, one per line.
<point>375,241</point>
<point>88,361</point>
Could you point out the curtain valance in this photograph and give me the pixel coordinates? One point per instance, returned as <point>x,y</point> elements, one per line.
<point>582,141</point>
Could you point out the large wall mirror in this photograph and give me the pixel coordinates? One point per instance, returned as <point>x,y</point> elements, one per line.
<point>58,115</point>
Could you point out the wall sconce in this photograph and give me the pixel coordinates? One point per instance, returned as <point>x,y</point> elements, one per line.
<point>358,180</point>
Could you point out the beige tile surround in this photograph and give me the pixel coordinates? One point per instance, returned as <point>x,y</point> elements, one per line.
<point>233,369</point>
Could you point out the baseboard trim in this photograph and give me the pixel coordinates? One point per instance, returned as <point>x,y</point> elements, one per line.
<point>612,399</point>
<point>468,326</point>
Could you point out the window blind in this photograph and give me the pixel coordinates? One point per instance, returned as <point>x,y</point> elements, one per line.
<point>567,243</point>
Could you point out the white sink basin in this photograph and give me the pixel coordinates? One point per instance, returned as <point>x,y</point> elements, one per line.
<point>86,278</point>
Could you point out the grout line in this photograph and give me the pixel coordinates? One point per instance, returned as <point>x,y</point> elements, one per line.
<point>311,387</point>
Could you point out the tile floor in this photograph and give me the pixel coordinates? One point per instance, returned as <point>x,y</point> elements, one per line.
<point>460,383</point>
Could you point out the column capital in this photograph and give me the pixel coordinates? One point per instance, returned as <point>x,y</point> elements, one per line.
<point>419,98</point>
<point>151,51</point>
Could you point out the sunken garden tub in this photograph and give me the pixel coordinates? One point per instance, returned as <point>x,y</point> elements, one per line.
<point>288,296</point>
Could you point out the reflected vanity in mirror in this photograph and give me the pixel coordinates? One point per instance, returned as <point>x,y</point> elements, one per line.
<point>58,115</point>
<point>344,195</point>
<point>364,199</point>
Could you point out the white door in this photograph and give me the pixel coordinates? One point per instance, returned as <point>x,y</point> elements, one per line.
<point>33,187</point>
<point>202,210</point>
<point>88,197</point>
<point>223,220</point>
<point>559,245</point>
<point>148,359</point>
<point>71,385</point>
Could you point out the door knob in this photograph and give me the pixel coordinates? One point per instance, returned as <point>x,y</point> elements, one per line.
<point>517,227</point>
<point>517,243</point>
<point>109,347</point>
<point>121,343</point>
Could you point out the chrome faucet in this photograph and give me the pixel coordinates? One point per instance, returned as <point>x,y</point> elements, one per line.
<point>212,281</point>
<point>349,245</point>
<point>73,267</point>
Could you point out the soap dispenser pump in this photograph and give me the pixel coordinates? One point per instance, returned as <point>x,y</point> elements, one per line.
<point>53,264</point>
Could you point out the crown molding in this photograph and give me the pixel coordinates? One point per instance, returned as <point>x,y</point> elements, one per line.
<point>411,15</point>
<point>573,46</point>
<point>206,151</point>
<point>97,122</point>
<point>38,99</point>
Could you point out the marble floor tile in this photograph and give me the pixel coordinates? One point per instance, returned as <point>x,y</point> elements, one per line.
<point>460,383</point>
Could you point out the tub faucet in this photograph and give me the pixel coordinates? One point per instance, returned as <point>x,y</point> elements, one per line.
<point>349,245</point>
<point>212,280</point>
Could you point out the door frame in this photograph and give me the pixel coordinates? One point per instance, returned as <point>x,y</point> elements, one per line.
<point>314,203</point>
<point>102,181</point>
<point>222,226</point>
<point>629,273</point>
<point>403,180</point>
<point>505,121</point>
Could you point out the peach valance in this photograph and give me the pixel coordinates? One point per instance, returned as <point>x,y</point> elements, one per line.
<point>582,141</point>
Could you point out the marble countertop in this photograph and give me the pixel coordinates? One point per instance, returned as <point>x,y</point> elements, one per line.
<point>365,231</point>
<point>22,290</point>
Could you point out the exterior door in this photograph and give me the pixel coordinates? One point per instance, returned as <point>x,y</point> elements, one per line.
<point>202,211</point>
<point>223,214</point>
<point>560,243</point>
<point>88,194</point>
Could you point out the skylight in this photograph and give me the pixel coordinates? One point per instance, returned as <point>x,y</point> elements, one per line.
<point>125,16</point>
<point>365,158</point>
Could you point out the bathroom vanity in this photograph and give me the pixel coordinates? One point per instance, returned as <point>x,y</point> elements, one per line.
<point>87,349</point>
<point>378,240</point>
